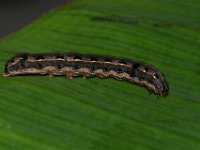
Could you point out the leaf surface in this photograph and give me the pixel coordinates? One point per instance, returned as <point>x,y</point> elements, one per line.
<point>43,113</point>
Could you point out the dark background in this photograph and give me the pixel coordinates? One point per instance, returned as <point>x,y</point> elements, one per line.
<point>14,14</point>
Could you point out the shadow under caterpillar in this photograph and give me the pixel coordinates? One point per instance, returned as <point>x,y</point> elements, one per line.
<point>88,65</point>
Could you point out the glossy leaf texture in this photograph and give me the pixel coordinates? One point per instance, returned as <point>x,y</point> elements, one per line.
<point>44,113</point>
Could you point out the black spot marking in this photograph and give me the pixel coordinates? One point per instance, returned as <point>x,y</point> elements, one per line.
<point>60,65</point>
<point>135,70</point>
<point>119,70</point>
<point>77,57</point>
<point>156,76</point>
<point>39,57</point>
<point>140,78</point>
<point>136,66</point>
<point>93,59</point>
<point>146,69</point>
<point>22,64</point>
<point>106,69</point>
<point>40,65</point>
<point>11,61</point>
<point>24,57</point>
<point>122,62</point>
<point>76,66</point>
<point>60,56</point>
<point>108,59</point>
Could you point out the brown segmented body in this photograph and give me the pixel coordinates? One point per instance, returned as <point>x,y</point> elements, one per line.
<point>88,65</point>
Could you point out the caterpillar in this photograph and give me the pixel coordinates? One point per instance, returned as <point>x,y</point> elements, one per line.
<point>88,65</point>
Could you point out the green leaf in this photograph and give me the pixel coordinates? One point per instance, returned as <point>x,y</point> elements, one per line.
<point>43,113</point>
